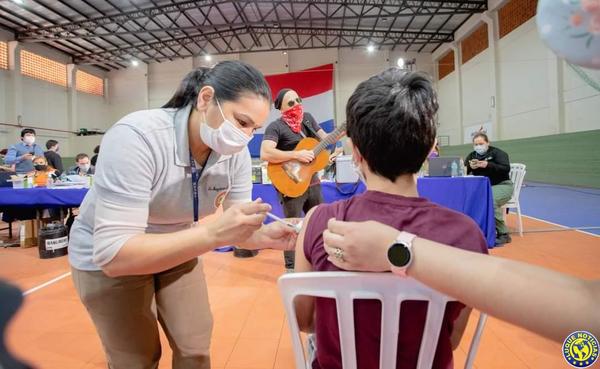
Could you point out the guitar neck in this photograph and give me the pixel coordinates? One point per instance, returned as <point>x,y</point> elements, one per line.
<point>329,140</point>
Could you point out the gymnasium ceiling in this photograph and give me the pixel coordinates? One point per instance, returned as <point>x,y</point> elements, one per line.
<point>111,33</point>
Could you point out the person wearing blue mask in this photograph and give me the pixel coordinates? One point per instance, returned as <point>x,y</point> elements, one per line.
<point>21,154</point>
<point>491,162</point>
<point>134,247</point>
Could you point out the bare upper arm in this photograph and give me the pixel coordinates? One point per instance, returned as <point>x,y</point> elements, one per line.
<point>268,144</point>
<point>304,305</point>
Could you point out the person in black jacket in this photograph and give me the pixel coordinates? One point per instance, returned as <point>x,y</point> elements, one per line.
<point>95,157</point>
<point>493,163</point>
<point>53,158</point>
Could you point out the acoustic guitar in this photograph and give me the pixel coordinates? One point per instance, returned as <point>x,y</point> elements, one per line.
<point>292,178</point>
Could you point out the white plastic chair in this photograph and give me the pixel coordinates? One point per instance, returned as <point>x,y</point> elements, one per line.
<point>517,174</point>
<point>391,290</point>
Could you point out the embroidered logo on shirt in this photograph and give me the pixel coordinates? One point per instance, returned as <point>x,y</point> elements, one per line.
<point>220,198</point>
<point>216,189</point>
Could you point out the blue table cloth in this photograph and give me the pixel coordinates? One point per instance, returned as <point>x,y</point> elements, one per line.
<point>469,195</point>
<point>42,197</point>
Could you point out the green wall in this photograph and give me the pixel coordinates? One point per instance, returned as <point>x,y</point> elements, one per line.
<point>567,159</point>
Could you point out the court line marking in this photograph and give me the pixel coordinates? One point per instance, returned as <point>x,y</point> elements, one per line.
<point>46,284</point>
<point>556,224</point>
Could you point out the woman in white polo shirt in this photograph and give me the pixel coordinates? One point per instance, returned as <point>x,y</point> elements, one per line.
<point>132,243</point>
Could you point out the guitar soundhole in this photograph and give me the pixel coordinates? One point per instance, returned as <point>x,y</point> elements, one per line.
<point>292,169</point>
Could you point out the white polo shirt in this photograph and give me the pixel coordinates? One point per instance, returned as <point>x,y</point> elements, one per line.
<point>143,184</point>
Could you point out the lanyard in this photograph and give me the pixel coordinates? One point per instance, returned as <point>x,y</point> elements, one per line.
<point>195,179</point>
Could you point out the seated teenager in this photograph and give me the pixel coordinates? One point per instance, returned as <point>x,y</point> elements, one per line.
<point>390,122</point>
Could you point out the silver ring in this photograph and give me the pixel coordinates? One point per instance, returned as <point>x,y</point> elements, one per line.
<point>338,254</point>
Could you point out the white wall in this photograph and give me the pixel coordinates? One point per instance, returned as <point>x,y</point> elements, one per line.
<point>93,112</point>
<point>582,102</point>
<point>524,98</point>
<point>273,62</point>
<point>449,110</point>
<point>127,91</point>
<point>52,110</point>
<point>5,132</point>
<point>164,78</point>
<point>45,105</point>
<point>352,67</point>
<point>535,92</point>
<point>476,90</point>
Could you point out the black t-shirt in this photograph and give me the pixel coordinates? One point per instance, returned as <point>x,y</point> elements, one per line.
<point>287,139</point>
<point>55,161</point>
<point>498,168</point>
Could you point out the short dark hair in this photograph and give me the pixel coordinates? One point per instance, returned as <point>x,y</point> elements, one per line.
<point>26,131</point>
<point>51,143</point>
<point>391,120</point>
<point>80,156</point>
<point>3,151</point>
<point>482,135</point>
<point>230,79</point>
<point>97,149</point>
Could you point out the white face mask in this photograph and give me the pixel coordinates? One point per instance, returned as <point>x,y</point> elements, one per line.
<point>225,140</point>
<point>480,149</point>
<point>29,140</point>
<point>359,172</point>
<point>84,167</point>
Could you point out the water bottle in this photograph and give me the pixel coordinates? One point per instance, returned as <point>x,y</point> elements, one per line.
<point>454,169</point>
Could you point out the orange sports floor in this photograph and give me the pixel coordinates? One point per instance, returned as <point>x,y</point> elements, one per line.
<point>52,330</point>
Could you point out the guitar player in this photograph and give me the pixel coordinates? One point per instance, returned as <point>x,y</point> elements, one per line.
<point>280,140</point>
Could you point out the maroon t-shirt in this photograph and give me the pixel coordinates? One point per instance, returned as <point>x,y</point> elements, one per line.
<point>414,215</point>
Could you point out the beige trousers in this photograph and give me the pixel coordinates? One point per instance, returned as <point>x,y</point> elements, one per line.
<point>125,316</point>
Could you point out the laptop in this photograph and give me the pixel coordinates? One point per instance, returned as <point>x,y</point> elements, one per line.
<point>442,166</point>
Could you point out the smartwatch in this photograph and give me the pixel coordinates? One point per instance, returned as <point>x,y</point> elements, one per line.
<point>400,254</point>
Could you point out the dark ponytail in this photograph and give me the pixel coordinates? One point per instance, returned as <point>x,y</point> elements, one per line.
<point>230,79</point>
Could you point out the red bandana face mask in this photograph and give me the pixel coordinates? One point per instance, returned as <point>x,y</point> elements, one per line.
<point>293,117</point>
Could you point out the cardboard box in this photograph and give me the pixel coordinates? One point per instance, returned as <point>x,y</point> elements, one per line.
<point>29,232</point>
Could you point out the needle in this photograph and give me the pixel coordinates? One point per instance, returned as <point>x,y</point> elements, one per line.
<point>296,227</point>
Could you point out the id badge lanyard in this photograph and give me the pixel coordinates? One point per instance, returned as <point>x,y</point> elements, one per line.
<point>195,179</point>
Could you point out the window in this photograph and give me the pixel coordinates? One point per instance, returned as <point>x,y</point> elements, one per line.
<point>514,13</point>
<point>446,65</point>
<point>39,67</point>
<point>3,55</point>
<point>89,83</point>
<point>475,43</point>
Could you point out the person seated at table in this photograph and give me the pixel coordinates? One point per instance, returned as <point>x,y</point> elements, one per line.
<point>21,154</point>
<point>95,157</point>
<point>390,115</point>
<point>53,157</point>
<point>83,167</point>
<point>3,166</point>
<point>42,171</point>
<point>491,162</point>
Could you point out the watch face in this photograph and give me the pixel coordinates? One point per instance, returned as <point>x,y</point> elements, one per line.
<point>399,255</point>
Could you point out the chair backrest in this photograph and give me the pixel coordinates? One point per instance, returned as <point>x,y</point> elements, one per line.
<point>345,287</point>
<point>517,174</point>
